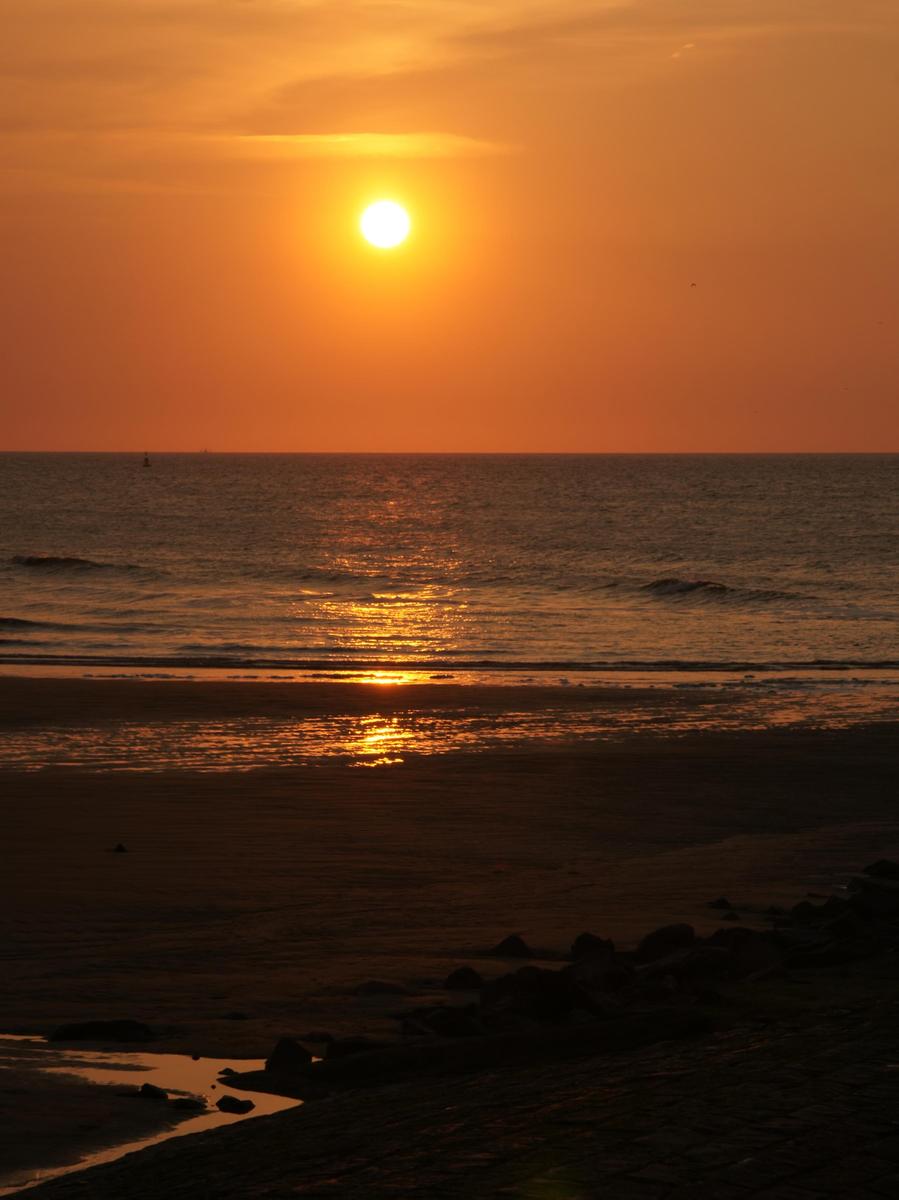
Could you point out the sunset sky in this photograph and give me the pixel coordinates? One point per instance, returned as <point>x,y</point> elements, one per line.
<point>182,182</point>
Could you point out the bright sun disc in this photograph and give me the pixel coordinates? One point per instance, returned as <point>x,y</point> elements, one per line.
<point>385,224</point>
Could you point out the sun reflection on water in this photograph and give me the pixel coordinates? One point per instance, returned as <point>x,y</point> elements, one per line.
<point>379,740</point>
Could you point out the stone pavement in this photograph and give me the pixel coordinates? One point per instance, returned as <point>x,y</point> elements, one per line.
<point>798,1110</point>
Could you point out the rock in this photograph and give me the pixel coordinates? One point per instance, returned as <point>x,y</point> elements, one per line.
<point>120,848</point>
<point>463,979</point>
<point>381,987</point>
<point>751,953</point>
<point>288,1058</point>
<point>665,941</point>
<point>348,1046</point>
<point>699,961</point>
<point>884,868</point>
<point>836,953</point>
<point>806,913</point>
<point>188,1103</point>
<point>512,947</point>
<point>876,896</point>
<point>730,916</point>
<point>448,1021</point>
<point>227,1071</point>
<point>721,902</point>
<point>589,945</point>
<point>103,1031</point>
<point>597,975</point>
<point>231,1104</point>
<point>537,993</point>
<point>149,1091</point>
<point>196,1057</point>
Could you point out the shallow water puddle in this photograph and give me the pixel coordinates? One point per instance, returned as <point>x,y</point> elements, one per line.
<point>177,1074</point>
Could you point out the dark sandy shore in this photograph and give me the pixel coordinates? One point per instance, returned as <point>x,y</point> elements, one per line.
<point>253,905</point>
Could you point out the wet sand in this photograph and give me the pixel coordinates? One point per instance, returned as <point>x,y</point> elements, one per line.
<point>253,904</point>
<point>51,1121</point>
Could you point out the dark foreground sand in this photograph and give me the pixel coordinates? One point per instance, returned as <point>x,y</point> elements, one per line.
<point>253,905</point>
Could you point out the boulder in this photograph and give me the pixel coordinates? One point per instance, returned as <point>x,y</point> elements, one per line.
<point>103,1031</point>
<point>751,953</point>
<point>537,993</point>
<point>589,945</point>
<point>288,1058</point>
<point>699,961</point>
<point>463,979</point>
<point>600,975</point>
<point>188,1103</point>
<point>806,913</point>
<point>232,1104</point>
<point>884,868</point>
<point>876,896</point>
<point>512,947</point>
<point>381,987</point>
<point>149,1091</point>
<point>348,1046</point>
<point>448,1021</point>
<point>665,941</point>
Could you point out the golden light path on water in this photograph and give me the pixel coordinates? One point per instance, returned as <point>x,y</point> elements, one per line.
<point>385,740</point>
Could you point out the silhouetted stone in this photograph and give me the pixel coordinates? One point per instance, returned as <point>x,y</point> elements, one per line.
<point>752,953</point>
<point>699,961</point>
<point>188,1103</point>
<point>665,941</point>
<point>348,1046</point>
<point>149,1091</point>
<point>227,1071</point>
<point>806,913</point>
<point>512,947</point>
<point>884,868</point>
<point>600,975</point>
<point>446,1021</point>
<point>120,848</point>
<point>288,1057</point>
<point>589,945</point>
<point>721,902</point>
<point>231,1104</point>
<point>103,1031</point>
<point>381,987</point>
<point>463,979</point>
<point>537,993</point>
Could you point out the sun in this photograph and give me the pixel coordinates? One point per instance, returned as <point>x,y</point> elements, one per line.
<point>385,224</point>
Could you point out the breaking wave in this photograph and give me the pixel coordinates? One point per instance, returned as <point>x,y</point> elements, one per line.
<point>710,589</point>
<point>52,562</point>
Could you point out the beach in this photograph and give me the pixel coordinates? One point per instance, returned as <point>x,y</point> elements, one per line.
<point>227,908</point>
<point>275,893</point>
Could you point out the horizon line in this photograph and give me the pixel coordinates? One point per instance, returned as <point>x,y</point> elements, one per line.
<point>475,453</point>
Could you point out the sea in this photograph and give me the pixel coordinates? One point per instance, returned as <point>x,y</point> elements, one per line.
<point>767,584</point>
<point>466,565</point>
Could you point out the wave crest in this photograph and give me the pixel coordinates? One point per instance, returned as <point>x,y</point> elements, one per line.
<point>52,562</point>
<point>709,588</point>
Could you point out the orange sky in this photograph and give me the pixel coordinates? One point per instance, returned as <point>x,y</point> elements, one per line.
<point>182,179</point>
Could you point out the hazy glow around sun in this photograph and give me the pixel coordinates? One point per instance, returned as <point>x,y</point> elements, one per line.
<point>385,224</point>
